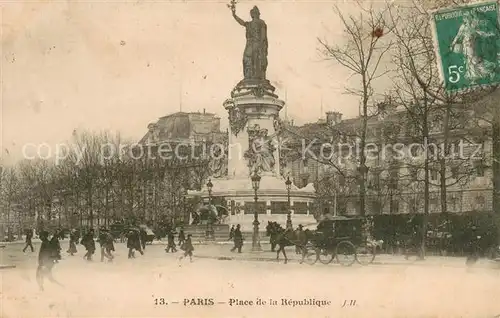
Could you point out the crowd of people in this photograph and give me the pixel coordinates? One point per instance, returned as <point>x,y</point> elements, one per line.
<point>50,248</point>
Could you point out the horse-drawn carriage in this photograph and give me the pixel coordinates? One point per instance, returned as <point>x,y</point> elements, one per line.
<point>339,238</point>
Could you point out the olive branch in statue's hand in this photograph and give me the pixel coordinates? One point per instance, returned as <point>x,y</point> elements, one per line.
<point>232,6</point>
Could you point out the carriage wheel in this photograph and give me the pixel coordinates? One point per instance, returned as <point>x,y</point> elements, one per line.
<point>311,256</point>
<point>365,254</point>
<point>324,255</point>
<point>346,253</point>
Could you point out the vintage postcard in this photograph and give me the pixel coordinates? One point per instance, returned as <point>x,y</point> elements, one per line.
<point>241,158</point>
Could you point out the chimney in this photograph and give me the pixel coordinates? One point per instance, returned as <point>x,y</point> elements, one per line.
<point>333,118</point>
<point>203,111</point>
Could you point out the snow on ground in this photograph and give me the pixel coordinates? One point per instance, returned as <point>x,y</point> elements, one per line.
<point>128,288</point>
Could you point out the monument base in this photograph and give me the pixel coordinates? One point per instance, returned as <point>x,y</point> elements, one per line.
<point>272,200</point>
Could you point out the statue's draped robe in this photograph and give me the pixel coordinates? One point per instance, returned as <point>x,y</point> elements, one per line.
<point>255,55</point>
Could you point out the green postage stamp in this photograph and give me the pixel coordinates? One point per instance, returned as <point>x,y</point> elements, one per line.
<point>468,45</point>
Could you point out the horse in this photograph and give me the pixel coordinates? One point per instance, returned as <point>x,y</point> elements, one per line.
<point>284,238</point>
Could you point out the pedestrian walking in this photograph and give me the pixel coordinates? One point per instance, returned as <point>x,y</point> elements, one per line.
<point>133,243</point>
<point>171,242</point>
<point>301,238</point>
<point>107,245</point>
<point>188,249</point>
<point>56,246</point>
<point>238,239</point>
<point>29,237</point>
<point>231,233</point>
<point>89,244</point>
<point>143,237</point>
<point>46,261</point>
<point>472,242</point>
<point>182,237</point>
<point>73,240</point>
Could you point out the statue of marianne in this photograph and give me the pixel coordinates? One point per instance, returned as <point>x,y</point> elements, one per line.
<point>255,54</point>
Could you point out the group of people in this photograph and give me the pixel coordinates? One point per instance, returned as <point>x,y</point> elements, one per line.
<point>50,249</point>
<point>185,244</point>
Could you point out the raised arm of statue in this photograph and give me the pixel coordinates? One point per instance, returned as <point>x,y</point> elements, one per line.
<point>238,19</point>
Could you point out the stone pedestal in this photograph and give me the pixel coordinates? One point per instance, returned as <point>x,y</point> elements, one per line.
<point>254,108</point>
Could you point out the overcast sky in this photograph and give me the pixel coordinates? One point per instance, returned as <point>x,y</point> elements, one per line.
<point>119,65</point>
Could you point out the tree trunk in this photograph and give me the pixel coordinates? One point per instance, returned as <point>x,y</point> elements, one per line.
<point>362,158</point>
<point>90,207</point>
<point>106,207</point>
<point>442,162</point>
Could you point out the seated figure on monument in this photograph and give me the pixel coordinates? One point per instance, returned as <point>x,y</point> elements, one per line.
<point>255,54</point>
<point>260,153</point>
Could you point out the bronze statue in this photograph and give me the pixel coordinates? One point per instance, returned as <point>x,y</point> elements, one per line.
<point>255,54</point>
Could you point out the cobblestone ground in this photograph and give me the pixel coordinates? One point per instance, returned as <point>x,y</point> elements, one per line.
<point>128,288</point>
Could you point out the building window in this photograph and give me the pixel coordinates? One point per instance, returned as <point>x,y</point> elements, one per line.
<point>479,167</point>
<point>393,178</point>
<point>279,207</point>
<point>250,207</point>
<point>480,201</point>
<point>414,173</point>
<point>434,175</point>
<point>376,207</point>
<point>433,201</point>
<point>305,181</point>
<point>413,206</point>
<point>454,172</point>
<point>394,206</point>
<point>453,203</point>
<point>300,208</point>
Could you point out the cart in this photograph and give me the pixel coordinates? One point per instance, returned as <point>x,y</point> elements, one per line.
<point>339,238</point>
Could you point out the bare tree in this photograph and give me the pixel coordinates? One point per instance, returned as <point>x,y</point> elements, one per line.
<point>362,54</point>
<point>419,88</point>
<point>10,196</point>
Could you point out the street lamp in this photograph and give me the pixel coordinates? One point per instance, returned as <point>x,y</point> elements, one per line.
<point>209,188</point>
<point>288,184</point>
<point>209,220</point>
<point>255,239</point>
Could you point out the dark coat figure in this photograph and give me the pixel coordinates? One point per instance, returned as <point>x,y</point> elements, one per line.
<point>46,260</point>
<point>89,244</point>
<point>29,237</point>
<point>143,237</point>
<point>188,248</point>
<point>182,237</point>
<point>134,243</point>
<point>56,245</point>
<point>171,243</point>
<point>472,241</point>
<point>238,239</point>
<point>73,240</point>
<point>301,237</point>
<point>107,245</point>
<point>231,233</point>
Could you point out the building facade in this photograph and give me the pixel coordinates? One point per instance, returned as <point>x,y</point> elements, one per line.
<point>459,156</point>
